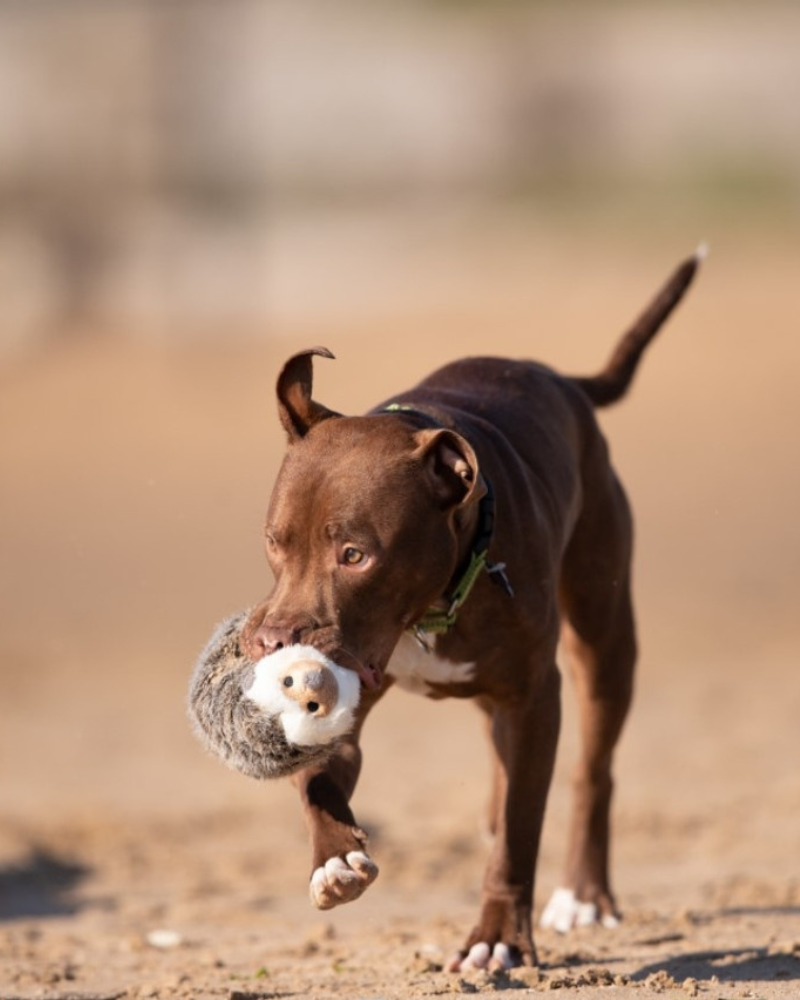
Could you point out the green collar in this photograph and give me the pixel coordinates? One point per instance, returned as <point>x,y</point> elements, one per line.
<point>435,621</point>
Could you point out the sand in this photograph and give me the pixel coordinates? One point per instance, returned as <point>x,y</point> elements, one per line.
<point>135,477</point>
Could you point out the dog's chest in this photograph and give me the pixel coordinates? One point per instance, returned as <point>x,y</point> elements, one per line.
<point>415,670</point>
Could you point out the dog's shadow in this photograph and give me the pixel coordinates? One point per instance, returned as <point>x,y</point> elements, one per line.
<point>40,886</point>
<point>755,964</point>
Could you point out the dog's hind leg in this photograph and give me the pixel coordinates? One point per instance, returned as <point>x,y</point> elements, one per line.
<point>598,638</point>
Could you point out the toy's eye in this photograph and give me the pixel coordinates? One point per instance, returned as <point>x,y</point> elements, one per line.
<point>288,682</point>
<point>352,556</point>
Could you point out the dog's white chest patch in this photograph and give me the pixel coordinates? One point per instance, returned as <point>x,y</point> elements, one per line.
<point>415,670</point>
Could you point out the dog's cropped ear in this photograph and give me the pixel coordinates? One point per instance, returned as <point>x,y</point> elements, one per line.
<point>451,467</point>
<point>297,410</point>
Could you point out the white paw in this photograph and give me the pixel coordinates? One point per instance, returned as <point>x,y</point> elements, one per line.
<point>341,880</point>
<point>565,911</point>
<point>482,956</point>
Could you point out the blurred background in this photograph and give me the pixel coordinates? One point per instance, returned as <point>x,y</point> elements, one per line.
<point>190,192</point>
<point>199,170</point>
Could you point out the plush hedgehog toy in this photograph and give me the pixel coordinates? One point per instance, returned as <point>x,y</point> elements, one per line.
<point>270,718</point>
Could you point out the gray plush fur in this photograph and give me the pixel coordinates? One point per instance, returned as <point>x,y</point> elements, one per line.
<point>232,726</point>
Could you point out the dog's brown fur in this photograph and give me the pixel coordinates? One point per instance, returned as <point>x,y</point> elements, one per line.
<point>371,520</point>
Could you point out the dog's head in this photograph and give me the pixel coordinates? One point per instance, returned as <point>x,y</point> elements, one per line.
<point>364,530</point>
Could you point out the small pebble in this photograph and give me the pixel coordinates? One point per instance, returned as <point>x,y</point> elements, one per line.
<point>530,975</point>
<point>163,938</point>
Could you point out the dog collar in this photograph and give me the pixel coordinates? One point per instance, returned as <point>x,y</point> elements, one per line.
<point>436,621</point>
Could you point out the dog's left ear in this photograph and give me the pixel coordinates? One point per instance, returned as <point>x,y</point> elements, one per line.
<point>298,412</point>
<point>451,466</point>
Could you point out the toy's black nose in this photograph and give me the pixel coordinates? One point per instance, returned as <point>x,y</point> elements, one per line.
<point>312,686</point>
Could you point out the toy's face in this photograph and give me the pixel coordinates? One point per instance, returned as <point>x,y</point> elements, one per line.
<point>270,718</point>
<point>314,698</point>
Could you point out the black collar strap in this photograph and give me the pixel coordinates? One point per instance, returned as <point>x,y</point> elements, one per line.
<point>436,621</point>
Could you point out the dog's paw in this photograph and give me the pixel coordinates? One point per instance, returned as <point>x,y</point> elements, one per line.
<point>341,880</point>
<point>565,911</point>
<point>483,956</point>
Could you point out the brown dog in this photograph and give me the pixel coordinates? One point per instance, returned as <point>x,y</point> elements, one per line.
<point>446,541</point>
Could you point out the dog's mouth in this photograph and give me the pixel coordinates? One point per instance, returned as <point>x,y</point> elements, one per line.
<point>370,675</point>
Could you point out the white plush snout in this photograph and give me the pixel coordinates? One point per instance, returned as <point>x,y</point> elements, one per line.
<point>314,698</point>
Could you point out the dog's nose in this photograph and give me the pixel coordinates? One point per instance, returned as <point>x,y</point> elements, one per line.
<point>268,639</point>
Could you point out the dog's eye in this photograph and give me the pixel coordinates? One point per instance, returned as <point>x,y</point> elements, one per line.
<point>352,556</point>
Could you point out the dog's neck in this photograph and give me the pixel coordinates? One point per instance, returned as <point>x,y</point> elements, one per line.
<point>475,530</point>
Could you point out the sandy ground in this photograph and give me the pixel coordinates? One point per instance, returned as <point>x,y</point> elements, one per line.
<point>134,479</point>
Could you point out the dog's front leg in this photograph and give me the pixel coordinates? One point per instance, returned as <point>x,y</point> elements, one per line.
<point>524,739</point>
<point>341,867</point>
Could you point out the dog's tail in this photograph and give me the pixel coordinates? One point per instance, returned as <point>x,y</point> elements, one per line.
<point>614,380</point>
